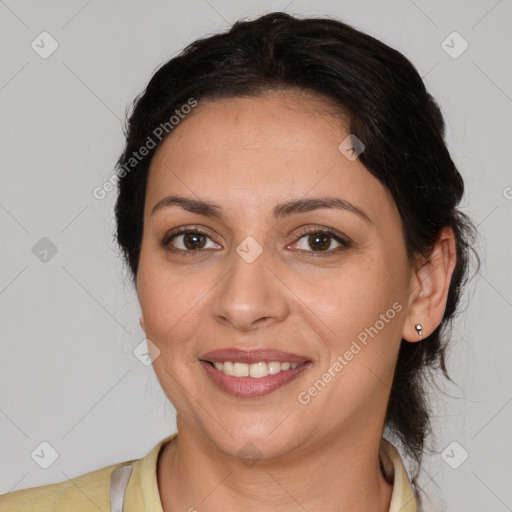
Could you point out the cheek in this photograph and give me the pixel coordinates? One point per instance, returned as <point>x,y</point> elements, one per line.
<point>349,298</point>
<point>157,293</point>
<point>361,321</point>
<point>171,300</point>
<point>360,312</point>
<point>167,306</point>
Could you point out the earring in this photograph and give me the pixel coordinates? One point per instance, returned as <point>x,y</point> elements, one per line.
<point>418,328</point>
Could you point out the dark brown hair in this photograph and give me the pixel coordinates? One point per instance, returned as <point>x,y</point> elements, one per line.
<point>389,109</point>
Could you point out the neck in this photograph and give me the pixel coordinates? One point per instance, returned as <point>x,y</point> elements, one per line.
<point>341,474</point>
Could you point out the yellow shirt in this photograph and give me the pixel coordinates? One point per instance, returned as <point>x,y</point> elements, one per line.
<point>90,492</point>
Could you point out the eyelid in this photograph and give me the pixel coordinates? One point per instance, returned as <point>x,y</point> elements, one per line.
<point>324,229</point>
<point>183,230</point>
<point>344,241</point>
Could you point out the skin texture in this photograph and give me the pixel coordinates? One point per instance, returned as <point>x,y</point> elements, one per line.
<point>247,155</point>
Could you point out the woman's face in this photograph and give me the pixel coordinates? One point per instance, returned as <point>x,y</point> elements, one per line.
<point>254,279</point>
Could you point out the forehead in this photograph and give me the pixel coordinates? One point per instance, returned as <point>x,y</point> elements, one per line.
<point>281,120</point>
<point>265,149</point>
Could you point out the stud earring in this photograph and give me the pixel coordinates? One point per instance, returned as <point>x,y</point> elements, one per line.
<point>418,328</point>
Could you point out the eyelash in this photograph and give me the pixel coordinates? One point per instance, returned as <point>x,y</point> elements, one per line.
<point>345,243</point>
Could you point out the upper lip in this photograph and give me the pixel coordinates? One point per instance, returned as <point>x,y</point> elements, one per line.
<point>252,356</point>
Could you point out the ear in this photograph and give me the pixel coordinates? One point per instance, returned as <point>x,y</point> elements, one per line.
<point>428,288</point>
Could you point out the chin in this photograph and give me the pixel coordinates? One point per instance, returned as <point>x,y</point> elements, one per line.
<point>262,441</point>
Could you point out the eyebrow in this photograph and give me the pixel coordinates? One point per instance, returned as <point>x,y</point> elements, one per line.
<point>279,211</point>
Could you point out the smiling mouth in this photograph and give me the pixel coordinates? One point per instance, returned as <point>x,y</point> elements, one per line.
<point>252,373</point>
<point>254,370</point>
<point>252,380</point>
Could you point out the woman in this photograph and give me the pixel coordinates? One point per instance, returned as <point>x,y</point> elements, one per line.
<point>287,210</point>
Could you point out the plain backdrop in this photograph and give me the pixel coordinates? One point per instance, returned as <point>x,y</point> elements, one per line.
<point>69,316</point>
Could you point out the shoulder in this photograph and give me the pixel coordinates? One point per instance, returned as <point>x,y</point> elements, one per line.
<point>90,492</point>
<point>83,493</point>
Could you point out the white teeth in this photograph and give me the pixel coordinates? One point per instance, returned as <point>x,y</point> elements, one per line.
<point>255,370</point>
<point>240,370</point>
<point>227,368</point>
<point>274,368</point>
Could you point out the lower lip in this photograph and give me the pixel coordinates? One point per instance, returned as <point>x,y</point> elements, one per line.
<point>249,387</point>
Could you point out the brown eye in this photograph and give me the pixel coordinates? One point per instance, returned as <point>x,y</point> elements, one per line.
<point>186,242</point>
<point>194,241</point>
<point>320,241</point>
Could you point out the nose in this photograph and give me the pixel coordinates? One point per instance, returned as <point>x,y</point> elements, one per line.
<point>252,293</point>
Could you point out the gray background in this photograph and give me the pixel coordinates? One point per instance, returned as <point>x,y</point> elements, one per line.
<point>70,325</point>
